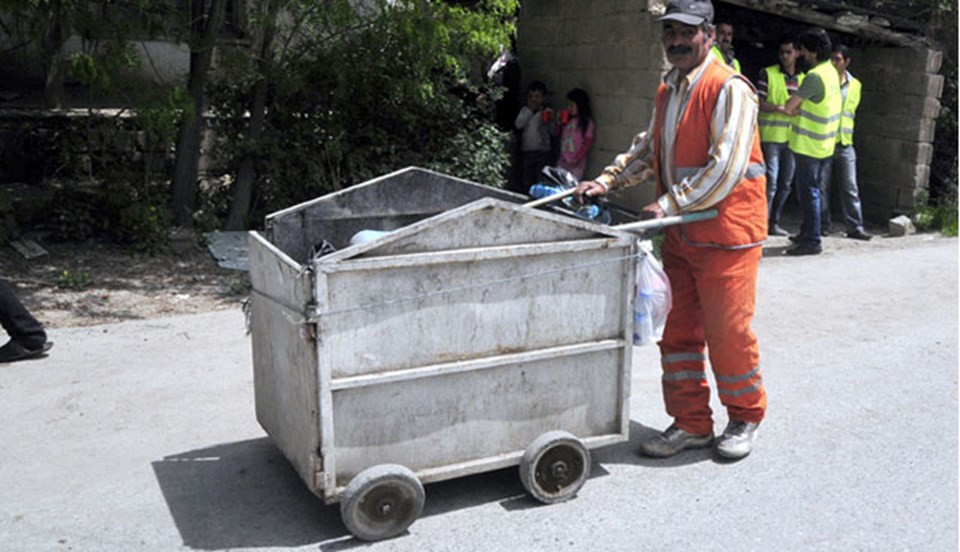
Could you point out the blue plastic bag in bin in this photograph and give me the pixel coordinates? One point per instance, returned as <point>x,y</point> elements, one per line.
<point>559,180</point>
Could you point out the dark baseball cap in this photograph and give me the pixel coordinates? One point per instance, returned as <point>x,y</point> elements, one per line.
<point>689,12</point>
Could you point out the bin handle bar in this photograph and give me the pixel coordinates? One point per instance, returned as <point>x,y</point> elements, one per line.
<point>550,199</point>
<point>652,224</point>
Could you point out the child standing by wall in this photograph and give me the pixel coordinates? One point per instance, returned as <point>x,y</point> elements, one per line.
<point>577,135</point>
<point>534,122</point>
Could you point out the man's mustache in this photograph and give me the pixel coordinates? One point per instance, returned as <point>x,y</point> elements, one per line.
<point>679,50</point>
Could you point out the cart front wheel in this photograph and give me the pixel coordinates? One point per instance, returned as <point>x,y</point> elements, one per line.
<point>555,466</point>
<point>381,502</point>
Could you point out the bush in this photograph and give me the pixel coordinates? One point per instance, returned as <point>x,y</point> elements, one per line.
<point>364,94</point>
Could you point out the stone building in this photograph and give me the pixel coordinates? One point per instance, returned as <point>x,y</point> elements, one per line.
<point>611,48</point>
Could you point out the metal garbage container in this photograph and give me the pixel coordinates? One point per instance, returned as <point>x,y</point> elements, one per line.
<point>477,334</point>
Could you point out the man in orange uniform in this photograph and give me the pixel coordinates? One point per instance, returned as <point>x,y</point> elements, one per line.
<point>703,148</point>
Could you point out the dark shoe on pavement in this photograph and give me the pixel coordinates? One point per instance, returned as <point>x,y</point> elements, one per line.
<point>737,440</point>
<point>673,440</point>
<point>805,249</point>
<point>13,351</point>
<point>795,238</point>
<point>860,234</point>
<point>775,230</point>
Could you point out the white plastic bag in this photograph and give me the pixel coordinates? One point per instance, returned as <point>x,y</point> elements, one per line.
<point>653,297</point>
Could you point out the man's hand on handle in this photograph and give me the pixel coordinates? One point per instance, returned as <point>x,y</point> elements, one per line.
<point>588,189</point>
<point>591,188</point>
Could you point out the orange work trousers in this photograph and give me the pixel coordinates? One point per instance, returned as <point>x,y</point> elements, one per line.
<point>714,296</point>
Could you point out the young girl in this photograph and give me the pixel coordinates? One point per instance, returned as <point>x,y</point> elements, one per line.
<point>577,134</point>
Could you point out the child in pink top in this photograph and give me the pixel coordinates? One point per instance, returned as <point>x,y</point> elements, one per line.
<point>577,132</point>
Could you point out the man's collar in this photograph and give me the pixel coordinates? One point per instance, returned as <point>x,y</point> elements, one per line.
<point>671,79</point>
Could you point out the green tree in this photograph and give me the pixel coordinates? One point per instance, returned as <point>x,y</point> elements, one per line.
<point>206,22</point>
<point>353,92</point>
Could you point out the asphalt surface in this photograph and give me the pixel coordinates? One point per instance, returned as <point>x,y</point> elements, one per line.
<point>142,436</point>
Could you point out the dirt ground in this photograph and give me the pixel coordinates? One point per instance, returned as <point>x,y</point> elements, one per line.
<point>85,284</point>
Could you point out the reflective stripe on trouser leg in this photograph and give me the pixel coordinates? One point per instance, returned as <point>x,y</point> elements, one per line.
<point>686,392</point>
<point>727,289</point>
<point>714,294</point>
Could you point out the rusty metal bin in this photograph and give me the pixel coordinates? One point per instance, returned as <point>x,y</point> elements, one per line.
<point>477,334</point>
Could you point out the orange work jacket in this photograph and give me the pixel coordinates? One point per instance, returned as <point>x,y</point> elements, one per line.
<point>742,215</point>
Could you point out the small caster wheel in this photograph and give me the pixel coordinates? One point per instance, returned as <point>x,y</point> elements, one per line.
<point>554,467</point>
<point>381,502</point>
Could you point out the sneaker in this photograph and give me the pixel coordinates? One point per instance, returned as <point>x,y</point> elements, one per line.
<point>804,249</point>
<point>775,230</point>
<point>13,351</point>
<point>859,234</point>
<point>737,440</point>
<point>673,440</point>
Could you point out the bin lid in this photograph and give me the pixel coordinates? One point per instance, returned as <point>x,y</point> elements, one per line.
<point>487,222</point>
<point>406,200</point>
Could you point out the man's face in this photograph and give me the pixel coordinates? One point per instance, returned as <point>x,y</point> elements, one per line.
<point>686,46</point>
<point>808,56</point>
<point>725,36</point>
<point>840,62</point>
<point>788,55</point>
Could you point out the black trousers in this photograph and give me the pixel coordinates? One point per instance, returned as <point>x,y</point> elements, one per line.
<point>17,321</point>
<point>533,163</point>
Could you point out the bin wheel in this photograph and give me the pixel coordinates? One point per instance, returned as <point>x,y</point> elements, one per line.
<point>381,502</point>
<point>555,466</point>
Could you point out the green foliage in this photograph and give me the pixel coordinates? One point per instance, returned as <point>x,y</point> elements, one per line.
<point>936,215</point>
<point>73,280</point>
<point>100,67</point>
<point>357,93</point>
<point>100,187</point>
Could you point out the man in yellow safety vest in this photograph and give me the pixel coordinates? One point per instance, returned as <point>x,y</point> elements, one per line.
<point>775,85</point>
<point>723,49</point>
<point>815,109</point>
<point>842,167</point>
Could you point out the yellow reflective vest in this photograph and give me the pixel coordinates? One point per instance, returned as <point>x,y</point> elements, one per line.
<point>849,112</point>
<point>815,129</point>
<point>775,127</point>
<point>719,53</point>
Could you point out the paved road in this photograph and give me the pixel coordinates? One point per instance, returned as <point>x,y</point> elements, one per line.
<point>141,436</point>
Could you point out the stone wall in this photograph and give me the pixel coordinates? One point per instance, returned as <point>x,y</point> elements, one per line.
<point>895,125</point>
<point>611,49</point>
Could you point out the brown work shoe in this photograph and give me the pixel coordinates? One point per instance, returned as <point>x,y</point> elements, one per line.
<point>673,440</point>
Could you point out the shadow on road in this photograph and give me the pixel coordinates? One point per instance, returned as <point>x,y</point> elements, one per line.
<point>247,495</point>
<point>626,453</point>
<point>242,495</point>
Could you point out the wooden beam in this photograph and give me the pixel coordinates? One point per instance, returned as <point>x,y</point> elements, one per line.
<point>791,10</point>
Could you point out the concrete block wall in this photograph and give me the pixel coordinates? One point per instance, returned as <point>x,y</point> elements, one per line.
<point>896,125</point>
<point>611,49</point>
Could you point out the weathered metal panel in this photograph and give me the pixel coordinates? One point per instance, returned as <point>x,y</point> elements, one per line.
<point>400,317</point>
<point>446,346</point>
<point>284,356</point>
<point>446,420</point>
